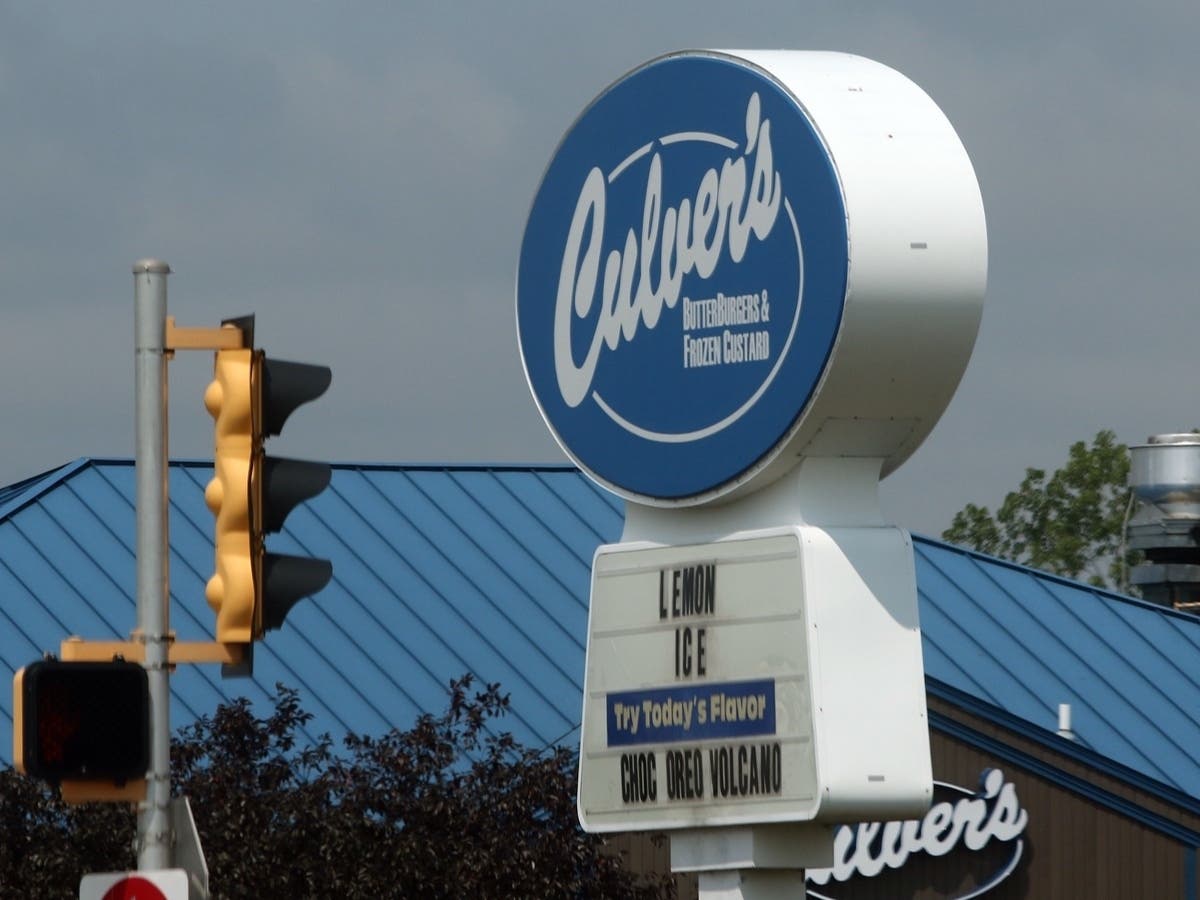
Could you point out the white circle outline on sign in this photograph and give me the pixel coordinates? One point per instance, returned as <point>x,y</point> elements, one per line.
<point>716,427</point>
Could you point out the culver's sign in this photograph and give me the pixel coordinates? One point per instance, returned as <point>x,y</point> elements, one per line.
<point>969,821</point>
<point>682,277</point>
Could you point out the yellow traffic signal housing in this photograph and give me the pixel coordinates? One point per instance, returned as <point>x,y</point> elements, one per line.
<point>251,494</point>
<point>230,401</point>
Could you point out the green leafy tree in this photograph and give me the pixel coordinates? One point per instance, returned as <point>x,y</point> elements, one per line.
<point>1070,524</point>
<point>447,808</point>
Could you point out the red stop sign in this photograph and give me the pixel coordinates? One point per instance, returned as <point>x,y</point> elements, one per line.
<point>134,888</point>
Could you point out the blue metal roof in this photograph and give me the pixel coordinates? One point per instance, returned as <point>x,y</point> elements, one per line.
<point>438,571</point>
<point>1024,642</point>
<point>441,570</point>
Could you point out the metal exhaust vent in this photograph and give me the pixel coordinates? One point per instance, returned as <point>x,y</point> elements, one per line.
<point>1164,474</point>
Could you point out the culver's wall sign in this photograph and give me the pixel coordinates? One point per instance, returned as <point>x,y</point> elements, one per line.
<point>959,821</point>
<point>683,276</point>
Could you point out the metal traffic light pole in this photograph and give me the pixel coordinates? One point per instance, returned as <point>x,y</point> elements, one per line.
<point>153,618</point>
<point>250,398</point>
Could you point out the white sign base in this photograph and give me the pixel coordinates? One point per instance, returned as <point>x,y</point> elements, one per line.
<point>752,884</point>
<point>793,846</point>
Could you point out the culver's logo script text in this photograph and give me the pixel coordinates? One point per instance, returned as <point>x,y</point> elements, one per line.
<point>728,207</point>
<point>671,322</point>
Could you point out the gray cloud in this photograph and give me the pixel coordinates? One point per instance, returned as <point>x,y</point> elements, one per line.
<point>358,175</point>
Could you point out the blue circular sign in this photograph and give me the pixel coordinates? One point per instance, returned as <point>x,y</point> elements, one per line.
<point>682,277</point>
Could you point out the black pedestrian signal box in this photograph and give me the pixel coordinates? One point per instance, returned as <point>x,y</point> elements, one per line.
<point>82,721</point>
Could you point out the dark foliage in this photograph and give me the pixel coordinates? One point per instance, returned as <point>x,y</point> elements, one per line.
<point>444,809</point>
<point>46,846</point>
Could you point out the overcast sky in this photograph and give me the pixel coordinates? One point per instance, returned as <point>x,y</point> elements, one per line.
<point>358,175</point>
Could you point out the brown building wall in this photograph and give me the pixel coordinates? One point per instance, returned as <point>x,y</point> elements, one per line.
<point>1074,845</point>
<point>1083,838</point>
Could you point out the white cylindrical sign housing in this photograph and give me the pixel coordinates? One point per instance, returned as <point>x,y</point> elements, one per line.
<point>738,259</point>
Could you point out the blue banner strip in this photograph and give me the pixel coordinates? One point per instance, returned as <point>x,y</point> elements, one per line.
<point>693,712</point>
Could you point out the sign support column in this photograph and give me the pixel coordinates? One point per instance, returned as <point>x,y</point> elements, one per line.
<point>150,361</point>
<point>757,862</point>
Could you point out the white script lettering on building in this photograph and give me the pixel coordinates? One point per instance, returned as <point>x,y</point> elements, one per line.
<point>994,813</point>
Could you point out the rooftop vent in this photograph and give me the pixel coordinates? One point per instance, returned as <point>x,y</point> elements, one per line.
<point>1164,474</point>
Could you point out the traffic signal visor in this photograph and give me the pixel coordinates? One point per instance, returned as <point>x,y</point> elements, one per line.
<point>280,485</point>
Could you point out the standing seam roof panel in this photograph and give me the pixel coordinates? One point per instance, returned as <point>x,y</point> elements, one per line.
<point>444,570</point>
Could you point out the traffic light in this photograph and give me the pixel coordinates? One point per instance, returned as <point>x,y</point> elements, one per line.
<point>251,494</point>
<point>81,721</point>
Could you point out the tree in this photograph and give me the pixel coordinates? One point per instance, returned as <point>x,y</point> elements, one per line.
<point>1071,524</point>
<point>447,808</point>
<point>46,846</point>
